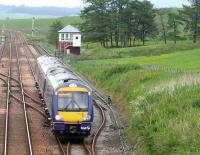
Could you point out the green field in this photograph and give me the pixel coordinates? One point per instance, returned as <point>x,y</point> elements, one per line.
<point>41,25</point>
<point>160,107</point>
<point>182,59</point>
<point>152,48</point>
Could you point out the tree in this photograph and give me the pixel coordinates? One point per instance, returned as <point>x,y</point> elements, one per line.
<point>174,22</point>
<point>121,14</point>
<point>96,21</point>
<point>144,17</point>
<point>53,32</point>
<point>117,21</point>
<point>191,17</point>
<point>162,13</point>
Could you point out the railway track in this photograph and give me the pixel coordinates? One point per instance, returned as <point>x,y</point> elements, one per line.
<point>19,64</point>
<point>27,94</point>
<point>3,93</point>
<point>4,59</point>
<point>17,128</point>
<point>7,102</point>
<point>22,122</point>
<point>74,147</point>
<point>41,146</point>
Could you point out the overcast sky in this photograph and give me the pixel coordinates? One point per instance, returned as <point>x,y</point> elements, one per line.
<point>57,3</point>
<point>78,3</point>
<point>169,3</point>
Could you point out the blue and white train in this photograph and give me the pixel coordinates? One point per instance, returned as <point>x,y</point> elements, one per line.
<point>69,101</point>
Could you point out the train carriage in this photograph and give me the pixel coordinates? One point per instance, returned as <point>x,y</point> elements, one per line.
<point>68,99</point>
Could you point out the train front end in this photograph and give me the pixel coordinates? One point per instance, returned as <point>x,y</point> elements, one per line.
<point>73,110</point>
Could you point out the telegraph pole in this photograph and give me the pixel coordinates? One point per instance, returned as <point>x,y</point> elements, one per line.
<point>3,28</point>
<point>33,26</point>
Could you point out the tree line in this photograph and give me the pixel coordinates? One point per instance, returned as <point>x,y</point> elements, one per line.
<point>120,23</point>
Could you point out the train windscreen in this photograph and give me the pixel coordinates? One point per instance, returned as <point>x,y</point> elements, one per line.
<point>73,101</point>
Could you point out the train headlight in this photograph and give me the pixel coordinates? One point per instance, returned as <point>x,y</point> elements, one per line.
<point>58,118</point>
<point>85,127</point>
<point>87,118</point>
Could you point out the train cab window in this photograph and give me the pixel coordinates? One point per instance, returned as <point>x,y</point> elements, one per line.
<point>73,101</point>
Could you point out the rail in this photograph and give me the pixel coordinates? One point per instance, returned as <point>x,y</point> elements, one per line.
<point>7,104</point>
<point>60,146</point>
<point>24,104</point>
<point>102,111</point>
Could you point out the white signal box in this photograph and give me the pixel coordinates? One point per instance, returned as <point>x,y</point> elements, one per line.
<point>76,40</point>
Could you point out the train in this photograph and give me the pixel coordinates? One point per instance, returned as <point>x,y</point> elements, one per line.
<point>69,100</point>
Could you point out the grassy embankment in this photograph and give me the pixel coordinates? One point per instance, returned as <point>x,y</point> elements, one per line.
<point>161,109</point>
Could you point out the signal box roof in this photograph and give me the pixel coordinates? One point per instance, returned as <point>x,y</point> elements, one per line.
<point>69,29</point>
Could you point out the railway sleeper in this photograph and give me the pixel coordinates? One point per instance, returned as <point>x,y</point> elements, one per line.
<point>46,123</point>
<point>36,85</point>
<point>46,111</point>
<point>13,86</point>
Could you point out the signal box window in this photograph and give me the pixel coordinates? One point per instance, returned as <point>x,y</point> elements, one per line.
<point>62,36</point>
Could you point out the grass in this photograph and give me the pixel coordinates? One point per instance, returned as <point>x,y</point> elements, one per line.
<point>183,59</point>
<point>93,51</point>
<point>168,121</point>
<point>41,25</point>
<point>160,108</point>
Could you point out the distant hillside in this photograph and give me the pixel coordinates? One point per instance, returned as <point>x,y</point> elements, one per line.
<point>20,11</point>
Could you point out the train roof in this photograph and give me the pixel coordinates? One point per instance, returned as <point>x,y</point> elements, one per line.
<point>55,71</point>
<point>47,63</point>
<point>60,78</point>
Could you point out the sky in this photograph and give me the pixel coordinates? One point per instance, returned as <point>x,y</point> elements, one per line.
<point>79,3</point>
<point>56,3</point>
<point>169,3</point>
